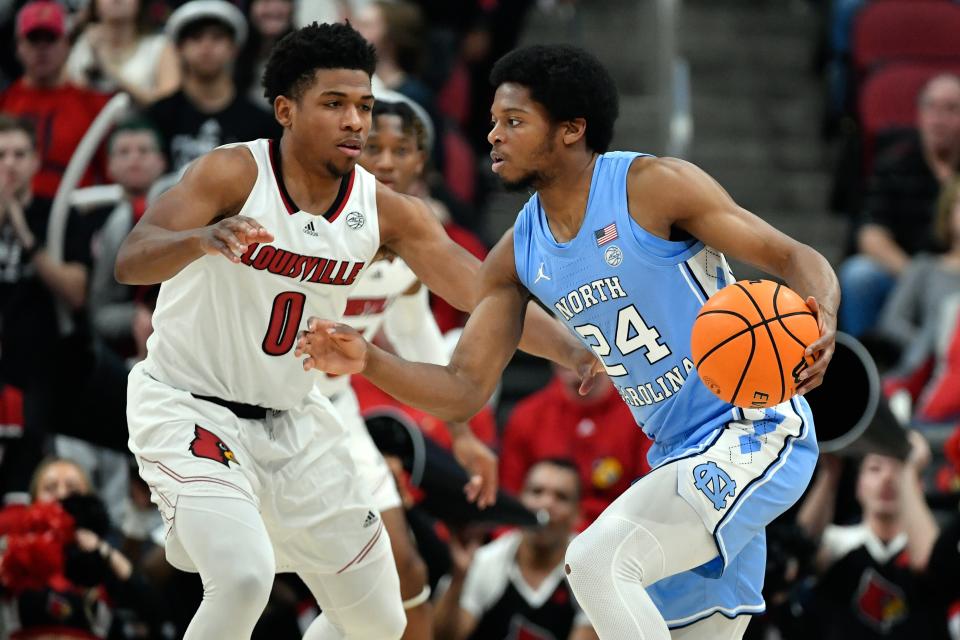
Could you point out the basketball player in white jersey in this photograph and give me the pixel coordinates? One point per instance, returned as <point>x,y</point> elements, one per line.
<point>389,296</point>
<point>245,457</point>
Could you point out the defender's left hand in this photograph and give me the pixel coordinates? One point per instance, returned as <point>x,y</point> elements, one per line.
<point>822,349</point>
<point>481,463</point>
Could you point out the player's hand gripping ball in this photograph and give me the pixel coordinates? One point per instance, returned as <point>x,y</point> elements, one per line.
<point>748,343</point>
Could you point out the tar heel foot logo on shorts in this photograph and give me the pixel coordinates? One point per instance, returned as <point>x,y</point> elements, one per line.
<point>355,219</point>
<point>715,484</point>
<point>207,444</point>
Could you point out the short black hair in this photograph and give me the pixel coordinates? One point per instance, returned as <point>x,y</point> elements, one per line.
<point>196,28</point>
<point>563,463</point>
<point>410,122</point>
<point>300,53</point>
<point>569,82</point>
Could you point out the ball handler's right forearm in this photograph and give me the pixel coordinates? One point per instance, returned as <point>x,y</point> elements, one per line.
<point>152,254</point>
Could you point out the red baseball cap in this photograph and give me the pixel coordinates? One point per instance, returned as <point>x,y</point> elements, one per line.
<point>42,15</point>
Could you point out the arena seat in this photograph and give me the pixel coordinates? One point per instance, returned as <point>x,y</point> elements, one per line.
<point>888,99</point>
<point>914,30</point>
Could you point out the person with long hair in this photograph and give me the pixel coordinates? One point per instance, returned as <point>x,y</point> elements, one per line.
<point>117,51</point>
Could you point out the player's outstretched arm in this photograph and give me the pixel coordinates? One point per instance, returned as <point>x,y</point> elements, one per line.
<point>409,229</point>
<point>694,202</point>
<point>197,216</point>
<point>454,392</point>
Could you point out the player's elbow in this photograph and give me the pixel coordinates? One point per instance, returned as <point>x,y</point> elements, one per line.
<point>123,270</point>
<point>470,399</point>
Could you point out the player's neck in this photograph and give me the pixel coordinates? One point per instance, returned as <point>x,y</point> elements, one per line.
<point>564,200</point>
<point>313,189</point>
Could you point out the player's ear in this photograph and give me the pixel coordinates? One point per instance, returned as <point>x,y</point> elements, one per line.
<point>282,108</point>
<point>573,130</point>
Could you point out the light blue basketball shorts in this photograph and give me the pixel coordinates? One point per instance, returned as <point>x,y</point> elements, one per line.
<point>738,480</point>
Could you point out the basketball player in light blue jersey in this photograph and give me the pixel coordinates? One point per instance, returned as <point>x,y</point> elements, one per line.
<point>625,249</point>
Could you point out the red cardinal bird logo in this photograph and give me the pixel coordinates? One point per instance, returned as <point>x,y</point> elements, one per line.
<point>209,445</point>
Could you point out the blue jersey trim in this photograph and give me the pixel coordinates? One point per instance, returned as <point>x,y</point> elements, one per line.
<point>742,610</point>
<point>760,480</point>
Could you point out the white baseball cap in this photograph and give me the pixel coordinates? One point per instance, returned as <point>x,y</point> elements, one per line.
<point>220,10</point>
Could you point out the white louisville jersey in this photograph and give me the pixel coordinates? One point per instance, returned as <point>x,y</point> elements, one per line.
<point>382,283</point>
<point>229,330</point>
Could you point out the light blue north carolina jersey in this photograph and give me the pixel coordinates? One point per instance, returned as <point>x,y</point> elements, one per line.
<point>633,298</point>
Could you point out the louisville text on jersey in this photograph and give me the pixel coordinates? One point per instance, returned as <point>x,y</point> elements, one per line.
<point>265,257</point>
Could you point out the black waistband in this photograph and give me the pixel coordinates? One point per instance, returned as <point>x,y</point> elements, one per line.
<point>245,411</point>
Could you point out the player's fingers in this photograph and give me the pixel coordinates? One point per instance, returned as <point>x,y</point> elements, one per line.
<point>815,308</point>
<point>318,325</point>
<point>810,384</point>
<point>221,247</point>
<point>308,364</point>
<point>253,230</point>
<point>472,488</point>
<point>587,380</point>
<point>229,238</point>
<point>489,495</point>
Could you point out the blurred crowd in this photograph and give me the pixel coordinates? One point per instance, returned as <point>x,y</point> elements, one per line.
<point>867,554</point>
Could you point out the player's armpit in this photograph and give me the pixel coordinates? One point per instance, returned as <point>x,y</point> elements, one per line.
<point>171,233</point>
<point>687,198</point>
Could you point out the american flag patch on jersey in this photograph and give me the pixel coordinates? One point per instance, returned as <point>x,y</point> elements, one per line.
<point>607,234</point>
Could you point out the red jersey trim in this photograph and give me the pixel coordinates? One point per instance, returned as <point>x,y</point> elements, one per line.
<point>339,202</point>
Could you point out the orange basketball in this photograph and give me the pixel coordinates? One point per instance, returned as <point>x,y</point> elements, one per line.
<point>748,342</point>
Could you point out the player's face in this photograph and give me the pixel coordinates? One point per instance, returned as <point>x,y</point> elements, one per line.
<point>878,486</point>
<point>135,160</point>
<point>18,163</point>
<point>391,154</point>
<point>553,489</point>
<point>59,480</point>
<point>331,120</point>
<point>523,138</point>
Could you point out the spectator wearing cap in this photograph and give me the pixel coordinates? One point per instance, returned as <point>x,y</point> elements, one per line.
<point>208,110</point>
<point>60,111</point>
<point>117,52</point>
<point>515,587</point>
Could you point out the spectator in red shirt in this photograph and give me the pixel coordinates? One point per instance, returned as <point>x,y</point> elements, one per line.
<point>61,112</point>
<point>596,431</point>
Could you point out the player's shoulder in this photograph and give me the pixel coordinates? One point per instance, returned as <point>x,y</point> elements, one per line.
<point>227,174</point>
<point>654,172</point>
